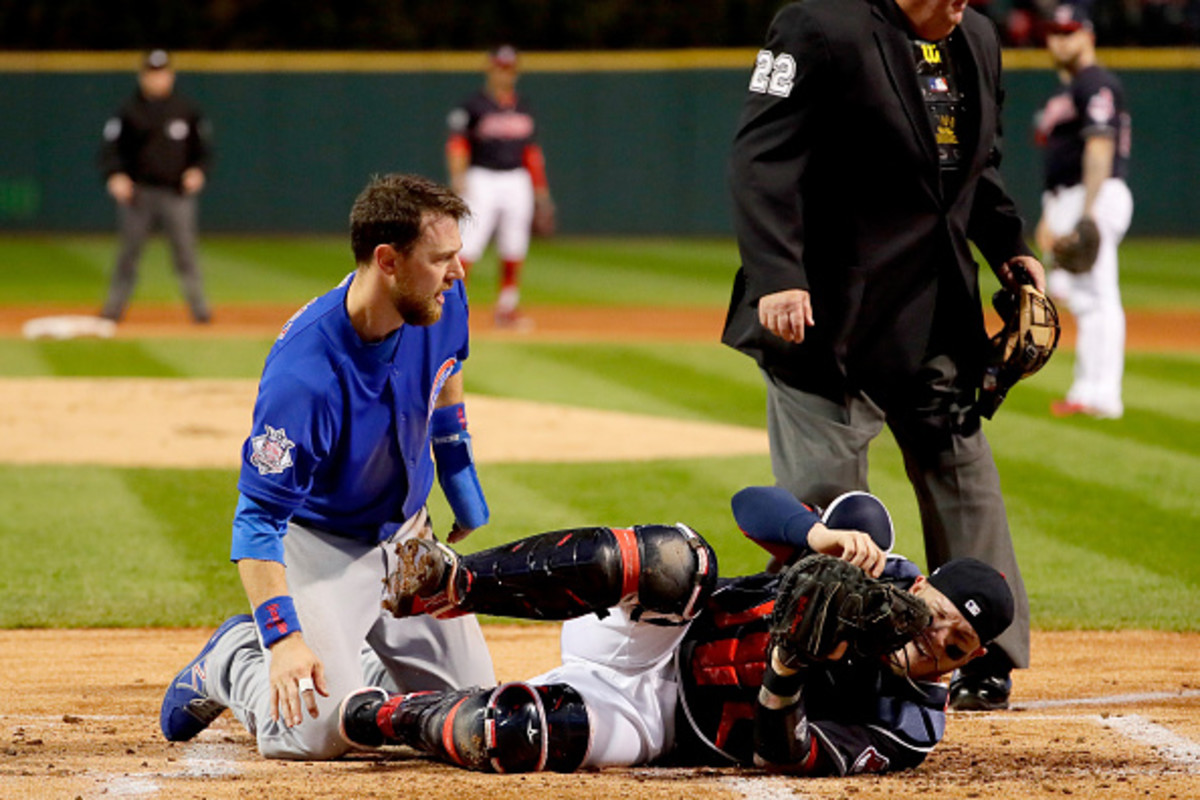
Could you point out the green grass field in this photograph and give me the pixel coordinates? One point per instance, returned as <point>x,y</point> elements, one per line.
<point>1104,514</point>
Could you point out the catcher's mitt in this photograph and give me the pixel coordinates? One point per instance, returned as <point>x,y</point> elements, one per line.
<point>823,601</point>
<point>1076,252</point>
<point>544,218</point>
<point>1022,347</point>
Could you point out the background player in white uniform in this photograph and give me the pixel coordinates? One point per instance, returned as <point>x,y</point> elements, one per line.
<point>339,466</point>
<point>496,164</point>
<point>1086,133</point>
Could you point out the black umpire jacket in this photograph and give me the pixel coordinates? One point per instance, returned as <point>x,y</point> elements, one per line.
<point>837,190</point>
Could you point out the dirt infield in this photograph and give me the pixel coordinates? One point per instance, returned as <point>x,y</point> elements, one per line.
<point>1100,715</point>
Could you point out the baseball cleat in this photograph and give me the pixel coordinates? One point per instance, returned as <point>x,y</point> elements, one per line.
<point>186,707</point>
<point>357,717</point>
<point>979,692</point>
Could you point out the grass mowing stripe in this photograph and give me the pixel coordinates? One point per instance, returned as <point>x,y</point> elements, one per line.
<point>707,382</point>
<point>1108,519</point>
<point>1138,426</point>
<point>81,548</point>
<point>98,357</point>
<point>1073,588</point>
<point>60,269</point>
<point>1100,458</point>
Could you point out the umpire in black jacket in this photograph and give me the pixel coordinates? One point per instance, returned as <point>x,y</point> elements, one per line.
<point>865,161</point>
<point>154,159</point>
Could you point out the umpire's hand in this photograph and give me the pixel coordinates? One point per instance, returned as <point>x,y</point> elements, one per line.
<point>786,314</point>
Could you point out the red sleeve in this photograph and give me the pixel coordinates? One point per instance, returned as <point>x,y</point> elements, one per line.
<point>535,162</point>
<point>458,144</point>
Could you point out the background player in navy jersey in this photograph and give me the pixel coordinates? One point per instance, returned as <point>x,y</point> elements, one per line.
<point>338,466</point>
<point>676,666</point>
<point>496,164</point>
<point>1085,129</point>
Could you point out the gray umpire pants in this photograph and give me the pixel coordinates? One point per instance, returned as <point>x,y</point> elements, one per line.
<point>176,214</point>
<point>337,585</point>
<point>819,450</point>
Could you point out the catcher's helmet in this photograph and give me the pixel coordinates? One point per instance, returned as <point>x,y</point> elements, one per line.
<point>862,511</point>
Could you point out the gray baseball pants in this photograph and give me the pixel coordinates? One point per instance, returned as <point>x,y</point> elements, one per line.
<point>176,214</point>
<point>337,585</point>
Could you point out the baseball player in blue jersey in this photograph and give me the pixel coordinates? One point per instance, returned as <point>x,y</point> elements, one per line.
<point>1085,130</point>
<point>676,666</point>
<point>338,466</point>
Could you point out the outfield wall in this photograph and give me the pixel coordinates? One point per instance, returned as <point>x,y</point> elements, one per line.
<point>636,143</point>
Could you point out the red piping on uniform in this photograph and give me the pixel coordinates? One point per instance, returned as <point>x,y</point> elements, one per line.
<point>631,561</point>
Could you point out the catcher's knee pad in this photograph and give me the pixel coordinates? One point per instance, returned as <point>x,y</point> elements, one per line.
<point>517,727</point>
<point>677,571</point>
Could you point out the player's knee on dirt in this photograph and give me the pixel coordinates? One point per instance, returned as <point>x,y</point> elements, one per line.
<point>678,570</point>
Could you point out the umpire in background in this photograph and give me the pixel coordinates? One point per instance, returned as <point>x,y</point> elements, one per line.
<point>864,164</point>
<point>155,155</point>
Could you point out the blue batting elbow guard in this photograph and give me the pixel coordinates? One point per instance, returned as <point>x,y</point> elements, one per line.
<point>456,466</point>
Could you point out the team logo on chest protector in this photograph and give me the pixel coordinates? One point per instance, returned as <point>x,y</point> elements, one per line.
<point>271,451</point>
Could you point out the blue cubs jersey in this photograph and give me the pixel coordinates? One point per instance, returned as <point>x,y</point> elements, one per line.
<point>340,439</point>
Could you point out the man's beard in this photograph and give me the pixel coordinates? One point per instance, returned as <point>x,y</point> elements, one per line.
<point>416,310</point>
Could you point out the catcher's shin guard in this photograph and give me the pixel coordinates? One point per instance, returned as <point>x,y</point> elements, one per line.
<point>511,728</point>
<point>659,571</point>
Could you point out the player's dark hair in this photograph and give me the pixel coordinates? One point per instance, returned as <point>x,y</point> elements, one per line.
<point>392,210</point>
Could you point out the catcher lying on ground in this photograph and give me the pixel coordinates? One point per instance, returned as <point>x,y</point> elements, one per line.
<point>826,668</point>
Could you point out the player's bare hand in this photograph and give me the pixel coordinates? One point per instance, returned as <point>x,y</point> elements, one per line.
<point>1030,265</point>
<point>297,676</point>
<point>855,547</point>
<point>786,314</point>
<point>192,180</point>
<point>120,186</point>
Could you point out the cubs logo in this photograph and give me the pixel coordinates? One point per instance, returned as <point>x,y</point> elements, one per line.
<point>439,380</point>
<point>271,452</point>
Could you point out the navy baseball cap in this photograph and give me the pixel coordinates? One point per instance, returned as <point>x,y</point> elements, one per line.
<point>156,59</point>
<point>1068,18</point>
<point>503,56</point>
<point>980,594</point>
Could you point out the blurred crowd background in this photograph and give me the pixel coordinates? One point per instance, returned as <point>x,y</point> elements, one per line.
<point>531,24</point>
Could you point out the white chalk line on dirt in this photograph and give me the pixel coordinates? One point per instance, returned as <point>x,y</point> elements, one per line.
<point>1107,700</point>
<point>1172,747</point>
<point>747,788</point>
<point>200,760</point>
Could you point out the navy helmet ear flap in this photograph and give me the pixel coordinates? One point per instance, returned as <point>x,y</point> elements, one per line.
<point>862,511</point>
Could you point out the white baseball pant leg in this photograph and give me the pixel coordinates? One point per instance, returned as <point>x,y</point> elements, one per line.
<point>627,675</point>
<point>1094,297</point>
<point>501,203</point>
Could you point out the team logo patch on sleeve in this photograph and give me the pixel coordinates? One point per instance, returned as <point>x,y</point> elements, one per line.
<point>271,452</point>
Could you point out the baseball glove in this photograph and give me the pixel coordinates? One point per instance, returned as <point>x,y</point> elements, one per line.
<point>1076,252</point>
<point>1022,347</point>
<point>544,218</point>
<point>823,601</point>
